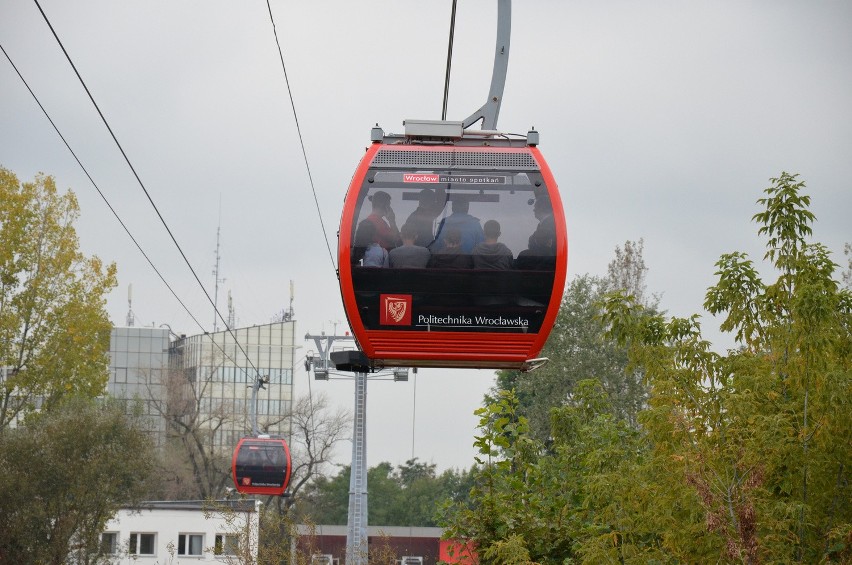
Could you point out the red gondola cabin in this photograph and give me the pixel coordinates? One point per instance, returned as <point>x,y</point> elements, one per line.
<point>452,251</point>
<point>261,465</point>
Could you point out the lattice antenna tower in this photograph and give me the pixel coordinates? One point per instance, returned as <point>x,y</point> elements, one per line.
<point>290,312</point>
<point>216,278</point>
<point>232,314</point>
<point>131,318</point>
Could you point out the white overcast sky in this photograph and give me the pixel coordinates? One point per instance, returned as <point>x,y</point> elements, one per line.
<point>661,120</point>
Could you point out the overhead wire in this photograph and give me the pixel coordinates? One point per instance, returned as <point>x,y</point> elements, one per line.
<point>145,190</point>
<point>126,158</point>
<point>301,139</point>
<point>310,176</point>
<point>113,210</point>
<point>97,188</point>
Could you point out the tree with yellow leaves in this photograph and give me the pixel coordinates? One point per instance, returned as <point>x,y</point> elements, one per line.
<point>54,330</point>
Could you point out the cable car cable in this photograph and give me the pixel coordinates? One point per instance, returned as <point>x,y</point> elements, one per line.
<point>126,158</point>
<point>310,176</point>
<point>301,140</point>
<point>109,205</point>
<point>97,188</point>
<point>449,61</point>
<point>144,189</point>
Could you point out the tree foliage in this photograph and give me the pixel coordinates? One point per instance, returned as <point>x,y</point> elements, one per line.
<point>578,348</point>
<point>54,330</point>
<point>63,475</point>
<point>409,494</point>
<point>738,458</point>
<point>760,435</point>
<point>566,500</point>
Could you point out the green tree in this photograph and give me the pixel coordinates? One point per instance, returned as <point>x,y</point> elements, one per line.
<point>578,348</point>
<point>325,500</point>
<point>409,494</point>
<point>589,496</point>
<point>741,457</point>
<point>54,330</point>
<point>760,435</point>
<point>516,510</point>
<point>63,475</point>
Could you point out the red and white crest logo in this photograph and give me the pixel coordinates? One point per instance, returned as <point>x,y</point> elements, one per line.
<point>396,310</point>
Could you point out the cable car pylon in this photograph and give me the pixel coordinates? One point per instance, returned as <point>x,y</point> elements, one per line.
<point>343,363</point>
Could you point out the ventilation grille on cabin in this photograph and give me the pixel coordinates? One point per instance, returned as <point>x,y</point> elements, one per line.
<point>455,160</point>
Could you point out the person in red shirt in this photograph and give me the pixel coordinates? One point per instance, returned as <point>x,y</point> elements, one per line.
<point>384,220</point>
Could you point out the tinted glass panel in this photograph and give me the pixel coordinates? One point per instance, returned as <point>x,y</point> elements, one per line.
<point>453,251</point>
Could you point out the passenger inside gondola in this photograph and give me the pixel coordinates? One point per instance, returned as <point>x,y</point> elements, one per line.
<point>540,255</point>
<point>368,252</point>
<point>408,255</point>
<point>492,254</point>
<point>469,226</point>
<point>541,251</point>
<point>430,205</point>
<point>450,256</point>
<point>543,212</point>
<point>383,219</point>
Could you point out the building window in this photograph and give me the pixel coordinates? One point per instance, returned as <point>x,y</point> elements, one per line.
<point>121,375</point>
<point>227,544</point>
<point>141,544</point>
<point>109,543</point>
<point>190,544</point>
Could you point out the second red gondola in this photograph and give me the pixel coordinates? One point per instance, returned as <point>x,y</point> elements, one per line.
<point>261,465</point>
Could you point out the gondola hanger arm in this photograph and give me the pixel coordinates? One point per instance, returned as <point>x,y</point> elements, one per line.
<point>489,111</point>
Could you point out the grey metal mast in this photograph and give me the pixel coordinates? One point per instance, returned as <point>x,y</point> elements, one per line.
<point>355,362</point>
<point>217,280</point>
<point>356,521</point>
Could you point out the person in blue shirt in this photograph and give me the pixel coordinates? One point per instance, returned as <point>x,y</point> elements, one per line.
<point>371,253</point>
<point>469,227</point>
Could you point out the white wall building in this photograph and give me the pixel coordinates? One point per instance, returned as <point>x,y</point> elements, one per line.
<point>183,532</point>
